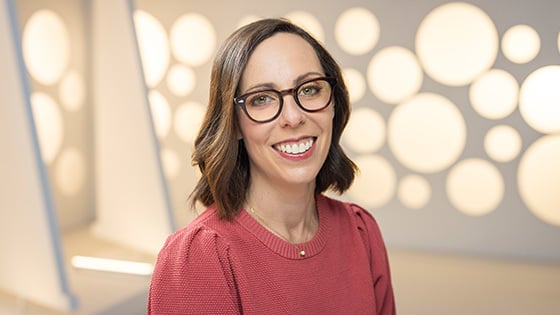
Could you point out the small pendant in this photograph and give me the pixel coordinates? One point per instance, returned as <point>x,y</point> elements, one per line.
<point>302,253</point>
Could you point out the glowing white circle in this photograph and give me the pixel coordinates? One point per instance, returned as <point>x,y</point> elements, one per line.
<point>49,123</point>
<point>394,75</point>
<point>456,42</point>
<point>181,80</point>
<point>355,84</point>
<point>171,163</point>
<point>538,178</point>
<point>357,31</point>
<point>475,187</point>
<point>70,171</point>
<point>188,119</point>
<point>494,94</point>
<point>193,39</point>
<point>46,46</point>
<point>539,99</point>
<point>161,113</point>
<point>414,191</point>
<point>427,133</point>
<point>502,143</point>
<point>153,45</point>
<point>72,91</point>
<point>521,44</point>
<point>308,22</point>
<point>365,132</point>
<point>376,182</point>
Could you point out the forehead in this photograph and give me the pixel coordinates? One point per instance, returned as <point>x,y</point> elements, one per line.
<point>280,60</point>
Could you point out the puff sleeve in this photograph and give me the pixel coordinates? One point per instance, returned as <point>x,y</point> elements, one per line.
<point>193,275</point>
<point>379,262</point>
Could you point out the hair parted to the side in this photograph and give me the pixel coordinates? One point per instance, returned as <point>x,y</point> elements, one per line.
<point>222,157</point>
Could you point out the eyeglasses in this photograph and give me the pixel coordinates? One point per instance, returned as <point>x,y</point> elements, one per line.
<point>266,105</point>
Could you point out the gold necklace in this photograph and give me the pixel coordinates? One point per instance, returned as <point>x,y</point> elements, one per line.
<point>263,222</point>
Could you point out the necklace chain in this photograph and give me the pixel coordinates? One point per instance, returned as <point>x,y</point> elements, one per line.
<point>263,222</point>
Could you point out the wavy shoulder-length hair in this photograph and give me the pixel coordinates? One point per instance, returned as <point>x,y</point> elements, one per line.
<point>222,157</point>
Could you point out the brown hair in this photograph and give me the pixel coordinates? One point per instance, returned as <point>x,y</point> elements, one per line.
<point>222,157</point>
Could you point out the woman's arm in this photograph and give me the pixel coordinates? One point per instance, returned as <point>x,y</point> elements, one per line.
<point>379,262</point>
<point>193,275</point>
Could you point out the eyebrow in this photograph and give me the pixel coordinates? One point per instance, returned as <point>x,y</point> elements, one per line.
<point>270,85</point>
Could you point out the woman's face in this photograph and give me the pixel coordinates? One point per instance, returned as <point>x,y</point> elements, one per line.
<point>282,62</point>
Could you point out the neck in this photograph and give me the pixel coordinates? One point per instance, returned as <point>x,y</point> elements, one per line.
<point>292,217</point>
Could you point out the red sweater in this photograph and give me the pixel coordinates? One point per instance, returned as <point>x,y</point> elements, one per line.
<point>220,267</point>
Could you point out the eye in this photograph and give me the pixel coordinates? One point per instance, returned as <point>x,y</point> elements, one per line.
<point>310,89</point>
<point>261,99</point>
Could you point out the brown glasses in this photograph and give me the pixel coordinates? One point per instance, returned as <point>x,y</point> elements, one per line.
<point>266,105</point>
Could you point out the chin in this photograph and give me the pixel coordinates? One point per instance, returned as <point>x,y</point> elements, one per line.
<point>300,179</point>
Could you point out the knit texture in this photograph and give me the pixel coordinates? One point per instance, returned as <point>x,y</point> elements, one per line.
<point>239,267</point>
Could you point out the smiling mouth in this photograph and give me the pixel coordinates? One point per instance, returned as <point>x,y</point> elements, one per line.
<point>295,147</point>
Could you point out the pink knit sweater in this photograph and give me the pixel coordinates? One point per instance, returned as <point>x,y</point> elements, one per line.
<point>219,267</point>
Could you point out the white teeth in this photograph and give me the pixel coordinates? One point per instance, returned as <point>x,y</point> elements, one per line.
<point>295,148</point>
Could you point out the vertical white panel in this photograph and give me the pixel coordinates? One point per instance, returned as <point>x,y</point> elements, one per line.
<point>32,265</point>
<point>132,202</point>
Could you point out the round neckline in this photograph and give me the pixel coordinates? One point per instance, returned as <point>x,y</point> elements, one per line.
<point>286,249</point>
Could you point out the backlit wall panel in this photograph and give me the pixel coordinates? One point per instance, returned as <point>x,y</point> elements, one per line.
<point>32,266</point>
<point>455,120</point>
<point>54,39</point>
<point>132,205</point>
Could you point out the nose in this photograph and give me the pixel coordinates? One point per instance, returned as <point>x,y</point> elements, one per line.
<point>292,115</point>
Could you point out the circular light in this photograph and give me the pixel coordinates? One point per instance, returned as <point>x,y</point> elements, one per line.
<point>72,91</point>
<point>375,184</point>
<point>49,123</point>
<point>181,80</point>
<point>414,191</point>
<point>357,31</point>
<point>539,99</point>
<point>161,113</point>
<point>308,22</point>
<point>355,83</point>
<point>394,75</point>
<point>193,39</point>
<point>494,94</point>
<point>171,163</point>
<point>456,42</point>
<point>427,133</point>
<point>46,47</point>
<point>365,132</point>
<point>70,171</point>
<point>475,187</point>
<point>188,119</point>
<point>539,179</point>
<point>502,143</point>
<point>153,45</point>
<point>521,44</point>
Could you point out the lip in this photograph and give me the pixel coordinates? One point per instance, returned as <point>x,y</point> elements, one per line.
<point>303,141</point>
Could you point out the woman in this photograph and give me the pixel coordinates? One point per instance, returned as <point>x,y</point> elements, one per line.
<point>270,242</point>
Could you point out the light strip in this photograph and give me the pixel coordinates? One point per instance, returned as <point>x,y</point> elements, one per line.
<point>112,265</point>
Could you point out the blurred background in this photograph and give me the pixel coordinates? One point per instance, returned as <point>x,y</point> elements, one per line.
<point>455,128</point>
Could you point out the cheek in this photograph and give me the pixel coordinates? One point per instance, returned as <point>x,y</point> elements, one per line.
<point>252,133</point>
